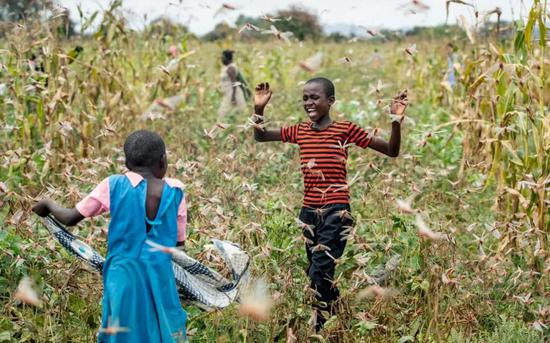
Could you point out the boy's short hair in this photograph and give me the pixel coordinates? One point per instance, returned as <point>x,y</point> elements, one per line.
<point>328,86</point>
<point>227,54</point>
<point>143,149</point>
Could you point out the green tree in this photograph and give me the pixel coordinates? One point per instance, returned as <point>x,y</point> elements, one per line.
<point>29,10</point>
<point>301,22</point>
<point>221,31</point>
<point>250,34</point>
<point>16,10</point>
<point>337,37</point>
<point>165,26</point>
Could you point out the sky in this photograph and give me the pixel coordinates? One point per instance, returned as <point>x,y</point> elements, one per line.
<point>198,15</point>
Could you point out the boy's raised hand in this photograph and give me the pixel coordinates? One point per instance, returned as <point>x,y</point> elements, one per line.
<point>262,95</point>
<point>399,103</point>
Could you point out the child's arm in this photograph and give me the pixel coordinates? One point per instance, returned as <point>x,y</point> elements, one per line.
<point>262,95</point>
<point>391,148</point>
<point>95,203</point>
<point>67,216</point>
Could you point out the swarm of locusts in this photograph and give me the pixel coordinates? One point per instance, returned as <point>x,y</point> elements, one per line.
<point>450,241</point>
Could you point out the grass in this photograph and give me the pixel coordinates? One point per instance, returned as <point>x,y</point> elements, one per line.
<point>487,284</point>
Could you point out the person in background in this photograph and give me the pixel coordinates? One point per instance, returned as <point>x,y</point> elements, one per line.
<point>449,50</point>
<point>232,88</point>
<point>376,59</point>
<point>173,51</point>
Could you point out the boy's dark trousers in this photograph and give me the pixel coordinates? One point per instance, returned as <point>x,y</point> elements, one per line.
<point>326,226</point>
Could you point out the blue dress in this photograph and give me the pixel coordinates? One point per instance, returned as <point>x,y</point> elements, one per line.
<point>140,295</point>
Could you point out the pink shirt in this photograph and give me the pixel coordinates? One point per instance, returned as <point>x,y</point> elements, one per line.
<point>98,201</point>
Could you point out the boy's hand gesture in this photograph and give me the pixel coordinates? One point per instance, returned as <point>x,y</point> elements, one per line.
<point>399,103</point>
<point>262,95</point>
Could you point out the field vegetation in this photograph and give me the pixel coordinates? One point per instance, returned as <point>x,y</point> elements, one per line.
<point>465,206</point>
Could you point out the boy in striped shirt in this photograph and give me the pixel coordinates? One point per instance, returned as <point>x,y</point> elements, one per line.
<point>323,142</point>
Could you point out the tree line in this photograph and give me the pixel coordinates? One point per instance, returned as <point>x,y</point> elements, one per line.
<point>303,23</point>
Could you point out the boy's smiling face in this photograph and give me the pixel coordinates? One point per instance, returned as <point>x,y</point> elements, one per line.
<point>315,100</point>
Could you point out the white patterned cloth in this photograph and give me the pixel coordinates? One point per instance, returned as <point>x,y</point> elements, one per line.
<point>197,284</point>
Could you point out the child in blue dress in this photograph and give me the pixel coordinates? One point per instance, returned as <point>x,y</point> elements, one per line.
<point>140,300</point>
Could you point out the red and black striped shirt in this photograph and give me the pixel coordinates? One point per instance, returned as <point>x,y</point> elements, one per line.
<point>323,157</point>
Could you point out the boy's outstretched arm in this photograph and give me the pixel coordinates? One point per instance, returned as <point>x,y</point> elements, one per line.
<point>67,216</point>
<point>262,94</point>
<point>391,148</point>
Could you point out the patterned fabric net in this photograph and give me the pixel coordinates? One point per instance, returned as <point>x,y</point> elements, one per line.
<point>197,283</point>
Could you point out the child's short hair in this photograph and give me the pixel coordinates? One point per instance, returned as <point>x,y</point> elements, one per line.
<point>328,86</point>
<point>227,54</point>
<point>143,149</point>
